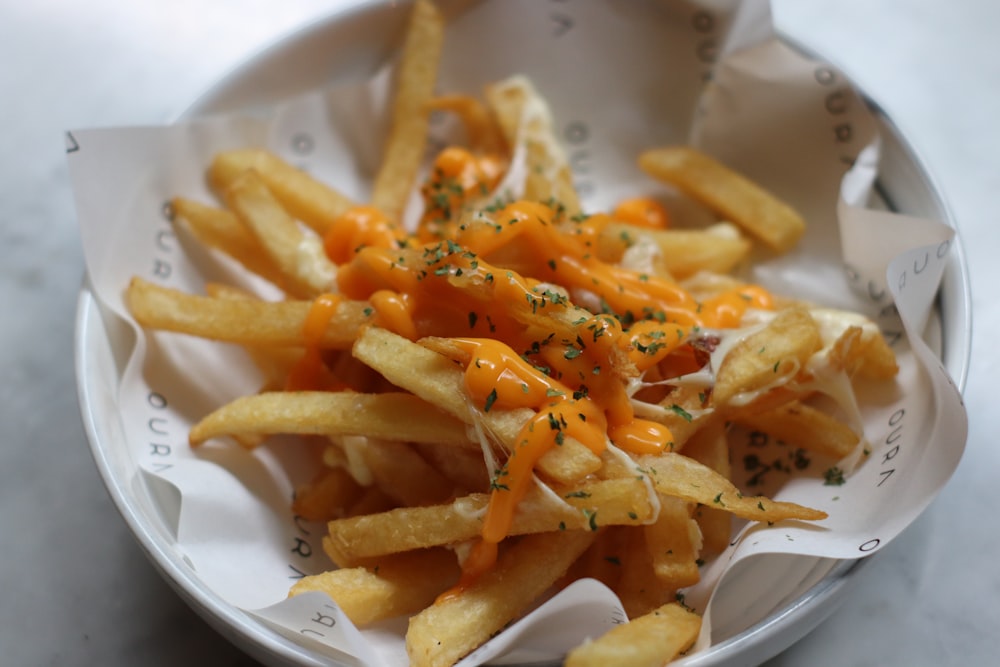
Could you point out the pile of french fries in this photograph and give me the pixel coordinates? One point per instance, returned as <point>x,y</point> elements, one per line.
<point>515,394</point>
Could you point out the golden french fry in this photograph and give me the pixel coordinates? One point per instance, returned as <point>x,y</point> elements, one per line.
<point>587,507</point>
<point>299,256</point>
<point>639,588</point>
<point>710,447</point>
<point>444,632</point>
<point>524,115</point>
<point>683,412</point>
<point>878,359</point>
<point>767,359</point>
<point>403,474</point>
<point>603,558</point>
<point>674,545</point>
<point>719,248</point>
<point>221,229</point>
<point>651,640</point>
<point>864,353</point>
<point>222,291</point>
<point>568,463</point>
<point>731,195</point>
<point>372,501</point>
<point>393,416</point>
<point>327,496</point>
<point>354,539</point>
<point>305,198</point>
<point>244,321</point>
<point>463,467</point>
<point>802,425</point>
<point>273,362</point>
<point>416,78</point>
<point>682,477</point>
<point>392,586</point>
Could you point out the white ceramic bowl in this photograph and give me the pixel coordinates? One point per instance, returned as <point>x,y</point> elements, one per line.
<point>352,43</point>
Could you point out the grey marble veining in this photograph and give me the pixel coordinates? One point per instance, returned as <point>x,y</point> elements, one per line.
<point>76,590</point>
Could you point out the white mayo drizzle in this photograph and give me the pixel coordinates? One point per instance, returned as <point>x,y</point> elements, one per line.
<point>654,498</point>
<point>477,431</point>
<point>552,496</point>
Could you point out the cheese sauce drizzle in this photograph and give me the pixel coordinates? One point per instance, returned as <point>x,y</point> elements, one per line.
<point>309,372</point>
<point>498,280</point>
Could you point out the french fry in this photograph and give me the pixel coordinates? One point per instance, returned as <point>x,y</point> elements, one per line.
<point>410,366</point>
<point>648,641</point>
<point>863,353</point>
<point>327,496</point>
<point>682,477</point>
<point>464,468</point>
<point>393,416</point>
<point>731,195</point>
<point>273,362</point>
<point>416,78</point>
<point>372,501</point>
<point>305,198</point>
<point>221,229</point>
<point>404,475</point>
<point>639,588</point>
<point>674,545</point>
<point>247,322</point>
<point>768,358</point>
<point>586,507</point>
<point>802,425</point>
<point>388,587</point>
<point>357,538</point>
<point>602,560</point>
<point>710,447</point>
<point>444,632</point>
<point>719,248</point>
<point>684,412</point>
<point>299,256</point>
<point>524,115</point>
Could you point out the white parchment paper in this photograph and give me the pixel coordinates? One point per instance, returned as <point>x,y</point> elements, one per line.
<point>620,77</point>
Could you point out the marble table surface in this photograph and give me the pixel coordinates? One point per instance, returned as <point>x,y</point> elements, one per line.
<point>76,589</point>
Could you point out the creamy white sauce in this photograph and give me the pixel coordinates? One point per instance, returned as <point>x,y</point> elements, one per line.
<point>477,432</point>
<point>552,496</point>
<point>654,498</point>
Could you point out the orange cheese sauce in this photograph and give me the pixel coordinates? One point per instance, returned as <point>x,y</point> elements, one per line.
<point>457,176</point>
<point>726,310</point>
<point>642,212</point>
<point>359,227</point>
<point>309,373</point>
<point>501,280</point>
